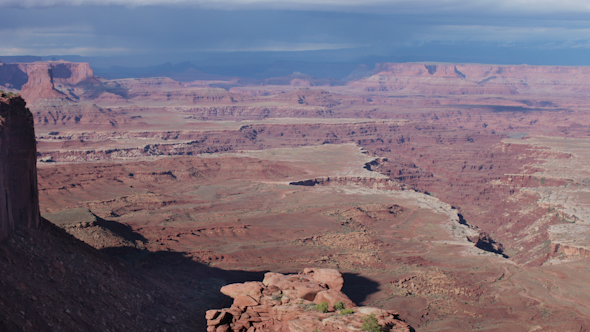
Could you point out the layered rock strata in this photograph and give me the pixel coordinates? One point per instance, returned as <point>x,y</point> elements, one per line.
<point>474,79</point>
<point>19,199</point>
<point>38,81</point>
<point>308,301</point>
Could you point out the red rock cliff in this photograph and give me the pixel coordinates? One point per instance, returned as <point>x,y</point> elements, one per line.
<point>38,80</point>
<point>40,85</point>
<point>19,201</point>
<point>63,72</point>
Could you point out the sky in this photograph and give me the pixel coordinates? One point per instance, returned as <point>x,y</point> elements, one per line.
<point>218,34</point>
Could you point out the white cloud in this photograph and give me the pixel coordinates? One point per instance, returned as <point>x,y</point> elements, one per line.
<point>287,47</point>
<point>48,31</point>
<point>9,51</point>
<point>84,51</point>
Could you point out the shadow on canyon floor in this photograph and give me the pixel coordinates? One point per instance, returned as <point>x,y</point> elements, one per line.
<point>179,265</point>
<point>183,268</point>
<point>358,288</point>
<point>121,230</point>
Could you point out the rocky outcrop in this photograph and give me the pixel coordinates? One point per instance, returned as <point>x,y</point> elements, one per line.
<point>19,200</point>
<point>38,80</point>
<point>569,251</point>
<point>368,182</point>
<point>63,72</point>
<point>485,242</point>
<point>72,73</point>
<point>308,301</point>
<point>40,85</point>
<point>311,97</point>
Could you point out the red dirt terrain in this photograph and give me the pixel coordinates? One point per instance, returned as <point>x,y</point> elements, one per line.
<point>455,195</point>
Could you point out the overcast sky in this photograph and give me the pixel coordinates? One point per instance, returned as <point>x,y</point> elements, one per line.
<point>519,31</point>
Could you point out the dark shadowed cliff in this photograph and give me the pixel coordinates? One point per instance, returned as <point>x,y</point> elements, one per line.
<point>19,201</point>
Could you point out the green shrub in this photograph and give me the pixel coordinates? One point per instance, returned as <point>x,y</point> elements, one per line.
<point>339,305</point>
<point>7,94</point>
<point>370,324</point>
<point>345,312</point>
<point>322,307</point>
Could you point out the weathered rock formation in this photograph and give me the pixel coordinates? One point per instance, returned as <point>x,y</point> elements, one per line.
<point>41,85</point>
<point>311,97</point>
<point>484,241</point>
<point>368,182</point>
<point>558,249</point>
<point>19,199</point>
<point>302,302</point>
<point>38,80</point>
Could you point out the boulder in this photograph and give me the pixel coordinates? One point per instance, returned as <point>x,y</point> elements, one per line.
<point>243,300</point>
<point>272,279</point>
<point>251,288</point>
<point>212,314</point>
<point>332,296</point>
<point>331,277</point>
<point>222,318</point>
<point>293,286</point>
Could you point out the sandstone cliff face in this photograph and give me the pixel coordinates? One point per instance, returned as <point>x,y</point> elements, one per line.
<point>558,249</point>
<point>19,201</point>
<point>41,86</point>
<point>72,73</point>
<point>12,77</point>
<point>38,80</point>
<point>63,72</point>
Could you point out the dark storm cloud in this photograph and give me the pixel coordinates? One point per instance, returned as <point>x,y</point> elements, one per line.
<point>417,6</point>
<point>171,29</point>
<point>174,28</point>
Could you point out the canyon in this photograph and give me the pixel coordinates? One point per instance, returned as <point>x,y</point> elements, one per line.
<point>454,195</point>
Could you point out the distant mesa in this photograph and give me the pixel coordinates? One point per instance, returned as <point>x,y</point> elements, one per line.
<point>474,79</point>
<point>38,80</point>
<point>74,82</point>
